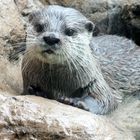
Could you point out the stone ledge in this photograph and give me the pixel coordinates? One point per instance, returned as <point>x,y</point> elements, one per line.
<point>31,117</point>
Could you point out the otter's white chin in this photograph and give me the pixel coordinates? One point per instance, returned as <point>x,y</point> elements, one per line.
<point>52,58</point>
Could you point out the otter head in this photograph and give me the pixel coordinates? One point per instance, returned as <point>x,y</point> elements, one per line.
<point>58,34</point>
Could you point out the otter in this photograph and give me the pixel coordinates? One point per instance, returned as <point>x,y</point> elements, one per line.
<point>59,63</point>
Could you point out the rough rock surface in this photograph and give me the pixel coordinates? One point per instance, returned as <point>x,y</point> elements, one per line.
<point>13,23</point>
<point>130,17</point>
<point>11,26</point>
<point>10,77</point>
<point>26,118</point>
<point>27,6</point>
<point>128,116</point>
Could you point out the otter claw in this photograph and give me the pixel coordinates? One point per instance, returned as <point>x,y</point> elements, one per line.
<point>76,102</point>
<point>82,105</point>
<point>36,91</point>
<point>66,100</point>
<point>31,90</point>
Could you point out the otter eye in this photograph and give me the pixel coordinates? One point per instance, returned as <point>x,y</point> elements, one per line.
<point>39,28</point>
<point>70,32</point>
<point>89,26</point>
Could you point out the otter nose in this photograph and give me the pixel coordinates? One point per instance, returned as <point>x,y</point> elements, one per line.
<point>50,40</point>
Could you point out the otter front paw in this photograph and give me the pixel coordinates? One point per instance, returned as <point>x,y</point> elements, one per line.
<point>32,90</point>
<point>76,102</point>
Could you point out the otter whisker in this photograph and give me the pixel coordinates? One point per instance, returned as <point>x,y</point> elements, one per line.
<point>77,43</point>
<point>81,56</point>
<point>74,64</point>
<point>81,64</point>
<point>25,65</point>
<point>65,55</point>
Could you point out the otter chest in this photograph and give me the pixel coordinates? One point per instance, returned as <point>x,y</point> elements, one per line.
<point>62,80</point>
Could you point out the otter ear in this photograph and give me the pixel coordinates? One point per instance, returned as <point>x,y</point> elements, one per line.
<point>33,16</point>
<point>89,26</point>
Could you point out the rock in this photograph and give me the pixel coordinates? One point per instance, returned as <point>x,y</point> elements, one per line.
<point>37,118</point>
<point>27,6</point>
<point>11,26</point>
<point>10,77</point>
<point>121,18</point>
<point>130,17</point>
<point>21,5</point>
<point>127,115</point>
<point>87,6</point>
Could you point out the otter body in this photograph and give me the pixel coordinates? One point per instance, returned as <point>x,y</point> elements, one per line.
<point>120,62</point>
<point>57,79</point>
<point>59,62</point>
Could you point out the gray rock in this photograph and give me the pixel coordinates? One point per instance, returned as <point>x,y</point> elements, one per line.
<point>37,118</point>
<point>11,26</point>
<point>130,17</point>
<point>27,6</point>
